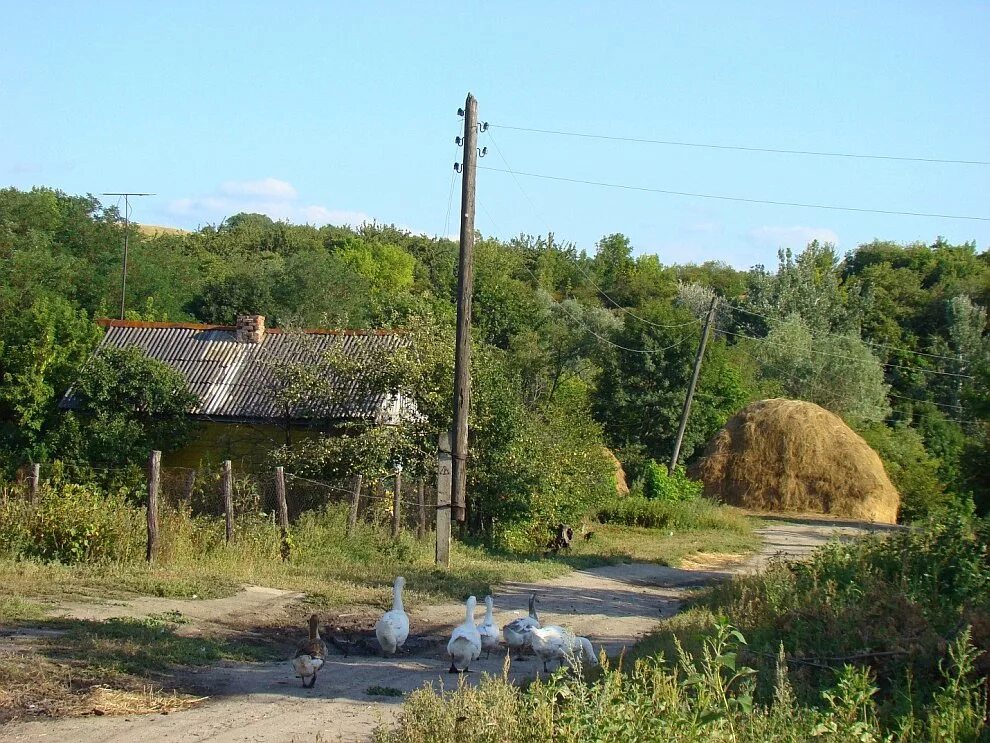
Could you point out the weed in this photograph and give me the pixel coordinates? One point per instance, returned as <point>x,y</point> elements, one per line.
<point>383,691</point>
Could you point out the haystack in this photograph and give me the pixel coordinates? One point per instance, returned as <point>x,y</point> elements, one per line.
<point>621,486</point>
<point>792,456</point>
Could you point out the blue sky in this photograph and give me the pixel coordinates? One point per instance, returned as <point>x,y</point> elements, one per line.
<point>325,112</point>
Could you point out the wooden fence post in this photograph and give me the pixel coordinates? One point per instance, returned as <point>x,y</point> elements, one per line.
<point>444,473</point>
<point>355,504</point>
<point>397,503</point>
<point>154,480</point>
<point>35,481</point>
<point>283,511</point>
<point>190,485</point>
<point>421,490</point>
<point>227,487</point>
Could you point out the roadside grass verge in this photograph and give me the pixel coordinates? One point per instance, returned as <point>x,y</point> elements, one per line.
<point>55,666</point>
<point>69,666</point>
<point>883,639</point>
<point>339,569</point>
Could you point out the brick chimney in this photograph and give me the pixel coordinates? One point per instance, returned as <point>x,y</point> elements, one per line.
<point>250,328</point>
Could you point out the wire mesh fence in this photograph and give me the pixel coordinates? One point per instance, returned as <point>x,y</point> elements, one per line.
<point>253,492</point>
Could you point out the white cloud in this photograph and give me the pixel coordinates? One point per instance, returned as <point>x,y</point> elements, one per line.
<point>791,237</point>
<point>266,188</point>
<point>272,197</point>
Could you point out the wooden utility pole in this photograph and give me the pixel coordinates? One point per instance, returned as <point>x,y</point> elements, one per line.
<point>227,487</point>
<point>283,512</point>
<point>465,284</point>
<point>154,479</point>
<point>690,392</point>
<point>444,470</point>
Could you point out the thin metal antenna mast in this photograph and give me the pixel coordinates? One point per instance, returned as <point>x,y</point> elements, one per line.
<point>123,272</point>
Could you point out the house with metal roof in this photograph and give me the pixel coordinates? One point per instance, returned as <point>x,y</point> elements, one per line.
<point>234,372</point>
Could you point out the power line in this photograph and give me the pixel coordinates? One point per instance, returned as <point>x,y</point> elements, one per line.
<point>576,319</point>
<point>869,343</point>
<point>929,402</point>
<point>781,373</point>
<point>741,148</point>
<point>741,199</point>
<point>581,268</point>
<point>450,193</point>
<point>848,358</point>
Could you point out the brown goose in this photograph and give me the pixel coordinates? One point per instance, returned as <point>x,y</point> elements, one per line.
<point>310,655</point>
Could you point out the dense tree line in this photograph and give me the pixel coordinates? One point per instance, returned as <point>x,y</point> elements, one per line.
<point>576,348</point>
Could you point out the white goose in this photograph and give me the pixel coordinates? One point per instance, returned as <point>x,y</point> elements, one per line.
<point>488,630</point>
<point>516,632</point>
<point>393,628</point>
<point>556,643</point>
<point>465,641</point>
<point>310,655</point>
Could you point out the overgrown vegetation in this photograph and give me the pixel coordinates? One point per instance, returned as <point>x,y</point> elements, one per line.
<point>82,542</point>
<point>592,345</point>
<point>884,639</point>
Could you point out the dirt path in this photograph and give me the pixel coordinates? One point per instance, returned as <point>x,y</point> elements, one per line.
<point>614,606</point>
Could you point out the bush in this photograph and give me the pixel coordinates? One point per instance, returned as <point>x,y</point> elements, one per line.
<point>913,471</point>
<point>704,696</point>
<point>659,485</point>
<point>72,524</point>
<point>890,604</point>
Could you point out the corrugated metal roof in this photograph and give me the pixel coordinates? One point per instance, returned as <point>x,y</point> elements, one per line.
<point>236,381</point>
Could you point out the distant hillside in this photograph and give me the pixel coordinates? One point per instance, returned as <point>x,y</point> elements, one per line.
<point>151,230</point>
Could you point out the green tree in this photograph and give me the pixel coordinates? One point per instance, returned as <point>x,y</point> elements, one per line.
<point>644,380</point>
<point>808,285</point>
<point>41,350</point>
<point>839,373</point>
<point>125,405</point>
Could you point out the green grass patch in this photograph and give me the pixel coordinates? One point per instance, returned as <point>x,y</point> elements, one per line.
<point>16,609</point>
<point>383,691</point>
<point>143,647</point>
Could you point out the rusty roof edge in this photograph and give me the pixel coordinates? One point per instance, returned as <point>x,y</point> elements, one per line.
<point>108,322</point>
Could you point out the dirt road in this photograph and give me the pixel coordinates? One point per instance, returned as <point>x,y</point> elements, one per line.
<point>614,606</point>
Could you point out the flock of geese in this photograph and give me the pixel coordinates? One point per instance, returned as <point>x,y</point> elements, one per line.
<point>467,641</point>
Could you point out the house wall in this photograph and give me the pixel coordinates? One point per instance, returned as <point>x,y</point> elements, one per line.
<point>246,445</point>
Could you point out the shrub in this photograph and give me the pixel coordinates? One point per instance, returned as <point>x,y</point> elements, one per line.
<point>72,524</point>
<point>659,485</point>
<point>703,696</point>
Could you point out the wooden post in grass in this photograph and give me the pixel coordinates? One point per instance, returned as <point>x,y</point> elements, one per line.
<point>227,488</point>
<point>283,512</point>
<point>154,480</point>
<point>35,481</point>
<point>444,473</point>
<point>190,485</point>
<point>355,504</point>
<point>397,503</point>
<point>421,490</point>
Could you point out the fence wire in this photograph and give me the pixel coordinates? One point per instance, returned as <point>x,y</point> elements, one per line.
<point>253,491</point>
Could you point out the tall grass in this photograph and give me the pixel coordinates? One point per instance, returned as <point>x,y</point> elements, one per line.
<point>693,513</point>
<point>883,639</point>
<point>85,542</point>
<point>708,696</point>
